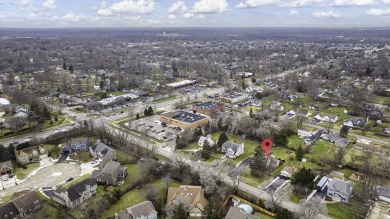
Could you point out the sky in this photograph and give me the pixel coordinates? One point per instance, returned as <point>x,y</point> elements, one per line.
<point>194,13</point>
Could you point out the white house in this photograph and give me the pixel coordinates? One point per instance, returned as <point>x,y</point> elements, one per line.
<point>340,190</point>
<point>327,117</point>
<point>358,122</point>
<point>287,172</point>
<point>21,111</point>
<point>232,149</point>
<point>387,130</point>
<point>76,194</point>
<point>143,210</point>
<point>202,139</point>
<point>304,133</point>
<point>384,193</point>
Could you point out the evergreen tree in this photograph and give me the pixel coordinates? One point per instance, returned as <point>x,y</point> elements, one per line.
<point>281,138</point>
<point>46,112</point>
<point>197,133</point>
<point>259,163</point>
<point>222,139</point>
<point>137,117</point>
<point>207,128</point>
<point>11,149</point>
<point>251,112</point>
<point>71,70</point>
<point>146,113</point>
<point>179,212</point>
<point>210,212</point>
<point>56,118</point>
<point>206,151</point>
<point>299,153</point>
<point>51,122</point>
<point>304,177</point>
<point>150,111</point>
<point>243,84</point>
<point>64,67</point>
<point>344,131</point>
<point>220,125</point>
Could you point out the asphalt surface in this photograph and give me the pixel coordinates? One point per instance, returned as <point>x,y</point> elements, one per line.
<point>241,167</point>
<point>276,184</point>
<point>46,177</point>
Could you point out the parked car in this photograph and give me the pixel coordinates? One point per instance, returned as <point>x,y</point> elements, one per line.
<point>70,179</point>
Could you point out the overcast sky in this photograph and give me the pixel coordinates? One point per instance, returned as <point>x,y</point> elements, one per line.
<point>194,13</point>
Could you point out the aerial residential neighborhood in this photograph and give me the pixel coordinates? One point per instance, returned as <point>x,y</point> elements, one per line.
<point>172,123</point>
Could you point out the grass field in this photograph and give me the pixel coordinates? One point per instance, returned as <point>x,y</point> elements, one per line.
<point>21,173</point>
<point>131,198</point>
<point>172,97</point>
<point>339,210</point>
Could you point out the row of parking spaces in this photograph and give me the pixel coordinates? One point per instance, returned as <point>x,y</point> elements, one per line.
<point>191,89</point>
<point>152,127</point>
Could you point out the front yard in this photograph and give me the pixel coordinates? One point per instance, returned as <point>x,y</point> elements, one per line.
<point>21,173</point>
<point>339,210</point>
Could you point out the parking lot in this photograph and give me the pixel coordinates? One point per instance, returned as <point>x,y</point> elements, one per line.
<point>191,89</point>
<point>152,127</point>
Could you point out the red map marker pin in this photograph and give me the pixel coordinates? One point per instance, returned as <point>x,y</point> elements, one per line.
<point>267,145</point>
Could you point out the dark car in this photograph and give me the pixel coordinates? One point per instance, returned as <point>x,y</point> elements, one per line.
<point>70,179</point>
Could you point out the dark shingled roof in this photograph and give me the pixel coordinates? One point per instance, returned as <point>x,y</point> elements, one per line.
<point>9,210</point>
<point>26,200</point>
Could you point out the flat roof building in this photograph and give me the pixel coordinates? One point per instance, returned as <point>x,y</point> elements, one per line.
<point>183,119</point>
<point>208,108</point>
<point>182,83</point>
<point>233,97</point>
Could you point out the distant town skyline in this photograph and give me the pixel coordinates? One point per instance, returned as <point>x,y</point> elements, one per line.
<point>194,13</point>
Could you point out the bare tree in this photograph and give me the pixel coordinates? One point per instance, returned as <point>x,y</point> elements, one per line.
<point>300,119</point>
<point>339,155</point>
<point>311,208</point>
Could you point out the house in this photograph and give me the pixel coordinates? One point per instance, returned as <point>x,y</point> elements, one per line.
<point>92,105</point>
<point>335,174</point>
<point>340,190</point>
<point>303,112</point>
<point>342,142</point>
<point>75,194</point>
<point>6,168</point>
<point>384,193</point>
<point>238,213</point>
<point>143,210</point>
<point>184,120</point>
<point>23,206</point>
<point>191,196</point>
<point>102,152</point>
<point>180,84</point>
<point>110,174</point>
<point>276,106</point>
<point>387,130</point>
<point>291,113</point>
<point>21,111</point>
<point>358,122</point>
<point>326,117</point>
<point>311,139</point>
<point>304,133</point>
<point>208,108</point>
<point>10,108</point>
<point>287,172</point>
<point>232,150</point>
<point>30,154</point>
<point>331,137</point>
<point>80,144</point>
<point>202,139</point>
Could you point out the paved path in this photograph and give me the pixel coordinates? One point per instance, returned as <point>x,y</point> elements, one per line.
<point>46,177</point>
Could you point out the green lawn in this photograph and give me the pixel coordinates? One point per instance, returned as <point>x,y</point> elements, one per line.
<point>123,157</point>
<point>294,198</point>
<point>134,174</point>
<point>21,173</point>
<point>131,198</point>
<point>382,100</point>
<point>294,141</point>
<point>193,146</point>
<point>118,93</point>
<point>339,210</point>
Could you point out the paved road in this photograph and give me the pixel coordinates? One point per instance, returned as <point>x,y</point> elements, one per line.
<point>46,177</point>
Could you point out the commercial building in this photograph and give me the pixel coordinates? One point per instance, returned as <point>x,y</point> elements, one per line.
<point>208,108</point>
<point>233,97</point>
<point>181,84</point>
<point>183,119</point>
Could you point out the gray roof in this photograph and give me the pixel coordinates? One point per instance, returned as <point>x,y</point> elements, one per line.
<point>341,185</point>
<point>384,191</point>
<point>231,145</point>
<point>183,116</point>
<point>6,164</point>
<point>141,209</point>
<point>236,213</point>
<point>208,105</point>
<point>75,191</point>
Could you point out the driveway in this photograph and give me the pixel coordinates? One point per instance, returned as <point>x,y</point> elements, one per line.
<point>236,172</point>
<point>276,184</point>
<point>46,177</point>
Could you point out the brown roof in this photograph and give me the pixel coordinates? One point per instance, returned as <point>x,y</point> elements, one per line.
<point>289,170</point>
<point>6,165</point>
<point>194,194</point>
<point>141,209</point>
<point>169,114</point>
<point>30,150</point>
<point>26,200</point>
<point>336,174</point>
